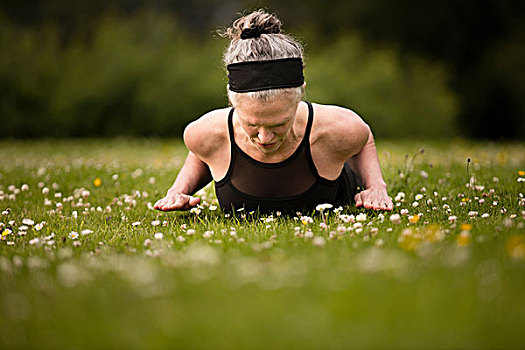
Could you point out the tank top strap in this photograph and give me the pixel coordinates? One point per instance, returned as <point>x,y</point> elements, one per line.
<point>230,127</point>
<point>306,141</point>
<point>226,177</point>
<point>308,129</point>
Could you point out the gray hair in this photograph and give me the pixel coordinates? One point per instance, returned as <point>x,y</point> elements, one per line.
<point>270,45</point>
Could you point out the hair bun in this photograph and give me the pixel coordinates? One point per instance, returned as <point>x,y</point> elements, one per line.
<point>253,25</point>
<point>248,33</point>
<point>255,32</point>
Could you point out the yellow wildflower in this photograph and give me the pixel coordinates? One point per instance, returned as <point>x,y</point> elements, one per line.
<point>433,234</point>
<point>407,240</point>
<point>515,247</point>
<point>306,220</point>
<point>409,243</point>
<point>463,238</point>
<point>466,227</point>
<point>97,182</point>
<point>413,218</point>
<point>521,172</point>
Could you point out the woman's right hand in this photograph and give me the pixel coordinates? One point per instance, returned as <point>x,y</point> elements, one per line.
<point>176,201</point>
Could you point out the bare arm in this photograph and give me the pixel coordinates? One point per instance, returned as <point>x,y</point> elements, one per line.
<point>193,176</point>
<point>366,165</point>
<point>352,137</point>
<point>201,137</point>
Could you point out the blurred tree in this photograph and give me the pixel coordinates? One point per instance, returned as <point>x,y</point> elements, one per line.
<point>479,41</point>
<point>78,19</point>
<point>482,42</point>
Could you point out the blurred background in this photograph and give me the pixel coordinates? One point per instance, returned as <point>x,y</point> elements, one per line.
<point>91,68</point>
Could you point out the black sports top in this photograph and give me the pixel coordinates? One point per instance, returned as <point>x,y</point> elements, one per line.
<point>288,186</point>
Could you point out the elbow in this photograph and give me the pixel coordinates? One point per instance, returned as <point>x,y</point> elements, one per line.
<point>190,137</point>
<point>186,134</point>
<point>367,136</point>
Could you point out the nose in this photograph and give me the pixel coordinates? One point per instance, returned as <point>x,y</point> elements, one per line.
<point>265,136</point>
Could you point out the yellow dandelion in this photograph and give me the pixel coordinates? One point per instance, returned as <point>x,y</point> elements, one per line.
<point>466,227</point>
<point>464,199</point>
<point>521,172</point>
<point>97,182</point>
<point>515,247</point>
<point>413,218</point>
<point>463,238</point>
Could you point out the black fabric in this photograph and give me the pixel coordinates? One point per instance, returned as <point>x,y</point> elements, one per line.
<point>352,184</point>
<point>265,75</point>
<point>288,186</point>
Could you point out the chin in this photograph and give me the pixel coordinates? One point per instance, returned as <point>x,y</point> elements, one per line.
<point>265,150</point>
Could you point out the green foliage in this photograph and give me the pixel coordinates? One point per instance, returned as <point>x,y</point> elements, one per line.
<point>397,97</point>
<point>145,76</point>
<point>139,76</point>
<point>481,46</point>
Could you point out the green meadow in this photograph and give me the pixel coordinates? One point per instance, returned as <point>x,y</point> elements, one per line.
<point>85,262</point>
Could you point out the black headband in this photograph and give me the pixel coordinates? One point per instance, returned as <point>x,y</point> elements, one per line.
<point>265,75</point>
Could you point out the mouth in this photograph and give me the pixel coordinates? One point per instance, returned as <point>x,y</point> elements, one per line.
<point>266,145</point>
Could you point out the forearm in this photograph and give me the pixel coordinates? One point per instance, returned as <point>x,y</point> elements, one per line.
<point>193,176</point>
<point>366,165</point>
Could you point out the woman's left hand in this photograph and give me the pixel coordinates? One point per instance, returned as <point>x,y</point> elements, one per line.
<point>374,198</point>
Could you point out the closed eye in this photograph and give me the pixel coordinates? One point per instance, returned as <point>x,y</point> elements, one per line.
<point>269,126</point>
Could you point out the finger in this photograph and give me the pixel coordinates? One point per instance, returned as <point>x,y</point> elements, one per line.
<point>358,200</point>
<point>186,203</point>
<point>379,203</point>
<point>165,207</point>
<point>376,203</point>
<point>160,203</point>
<point>387,204</point>
<point>368,203</point>
<point>169,204</point>
<point>193,201</point>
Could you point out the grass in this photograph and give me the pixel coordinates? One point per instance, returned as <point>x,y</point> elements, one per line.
<point>258,282</point>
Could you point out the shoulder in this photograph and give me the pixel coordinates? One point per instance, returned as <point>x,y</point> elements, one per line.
<point>339,129</point>
<point>203,135</point>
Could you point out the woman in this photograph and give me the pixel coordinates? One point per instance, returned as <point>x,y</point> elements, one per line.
<point>272,150</point>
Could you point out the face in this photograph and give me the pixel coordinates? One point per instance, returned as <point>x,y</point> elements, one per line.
<point>267,125</point>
